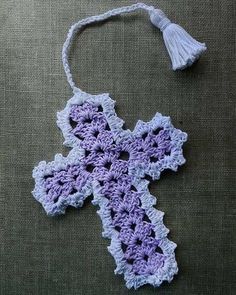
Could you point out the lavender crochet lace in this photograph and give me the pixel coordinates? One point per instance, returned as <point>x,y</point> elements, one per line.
<point>112,163</point>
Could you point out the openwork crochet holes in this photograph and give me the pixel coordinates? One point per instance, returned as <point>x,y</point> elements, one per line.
<point>112,163</point>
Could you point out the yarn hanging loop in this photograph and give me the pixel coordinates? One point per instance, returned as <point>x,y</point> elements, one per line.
<point>112,163</point>
<point>183,49</point>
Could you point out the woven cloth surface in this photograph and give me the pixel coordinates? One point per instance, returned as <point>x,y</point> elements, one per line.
<point>125,57</point>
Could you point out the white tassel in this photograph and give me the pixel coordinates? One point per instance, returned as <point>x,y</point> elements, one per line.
<point>183,49</point>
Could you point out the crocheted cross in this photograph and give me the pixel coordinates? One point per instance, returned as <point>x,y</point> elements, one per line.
<point>111,164</point>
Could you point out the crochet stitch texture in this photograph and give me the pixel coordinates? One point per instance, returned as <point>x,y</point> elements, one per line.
<point>111,164</point>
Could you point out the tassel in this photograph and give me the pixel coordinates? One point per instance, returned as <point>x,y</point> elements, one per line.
<point>183,49</point>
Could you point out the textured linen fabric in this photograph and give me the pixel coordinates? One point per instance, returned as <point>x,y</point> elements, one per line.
<point>126,57</point>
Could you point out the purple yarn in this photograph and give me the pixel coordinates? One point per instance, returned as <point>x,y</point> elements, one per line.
<point>112,164</point>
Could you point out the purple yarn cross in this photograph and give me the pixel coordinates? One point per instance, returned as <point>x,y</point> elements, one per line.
<point>111,164</point>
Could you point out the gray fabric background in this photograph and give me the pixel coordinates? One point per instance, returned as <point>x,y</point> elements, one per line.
<point>125,57</point>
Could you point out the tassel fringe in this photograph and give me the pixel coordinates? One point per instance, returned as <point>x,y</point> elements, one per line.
<point>183,49</point>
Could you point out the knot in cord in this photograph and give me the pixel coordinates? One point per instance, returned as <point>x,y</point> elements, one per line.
<point>159,19</point>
